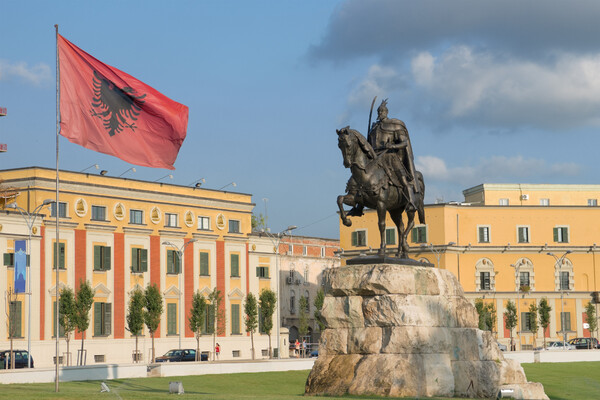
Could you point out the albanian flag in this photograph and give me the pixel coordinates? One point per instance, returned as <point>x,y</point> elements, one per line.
<point>106,110</point>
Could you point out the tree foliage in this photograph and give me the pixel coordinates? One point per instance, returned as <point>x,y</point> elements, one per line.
<point>544,310</point>
<point>303,317</point>
<point>153,309</point>
<point>510,318</point>
<point>487,315</point>
<point>259,222</point>
<point>67,314</point>
<point>251,312</point>
<point>196,318</point>
<point>135,316</point>
<point>318,303</point>
<point>84,299</point>
<point>267,302</point>
<point>590,312</point>
<point>533,320</point>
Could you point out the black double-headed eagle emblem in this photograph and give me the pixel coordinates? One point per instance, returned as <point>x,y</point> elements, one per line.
<point>117,108</point>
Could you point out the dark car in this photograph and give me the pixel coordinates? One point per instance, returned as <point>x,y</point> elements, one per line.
<point>181,355</point>
<point>21,357</point>
<point>584,343</point>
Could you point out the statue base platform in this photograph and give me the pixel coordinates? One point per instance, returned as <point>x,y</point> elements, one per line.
<point>401,330</point>
<point>376,259</point>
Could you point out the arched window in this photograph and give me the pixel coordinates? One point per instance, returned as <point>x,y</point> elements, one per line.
<point>307,296</point>
<point>485,277</point>
<point>524,275</point>
<point>564,279</point>
<point>292,302</point>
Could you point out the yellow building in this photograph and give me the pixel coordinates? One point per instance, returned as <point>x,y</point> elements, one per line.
<point>120,234</point>
<point>508,242</point>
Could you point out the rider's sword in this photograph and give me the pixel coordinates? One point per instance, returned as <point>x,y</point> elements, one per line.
<point>370,115</point>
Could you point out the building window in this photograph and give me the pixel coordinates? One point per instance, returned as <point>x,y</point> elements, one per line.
<point>234,226</point>
<point>306,275</point>
<point>592,202</point>
<point>173,266</point>
<point>503,202</point>
<point>262,272</point>
<point>561,234</point>
<point>15,318</point>
<point>291,249</point>
<point>292,302</point>
<point>235,265</point>
<point>524,279</point>
<point>565,321</point>
<point>171,220</point>
<point>544,202</point>
<point>204,266</point>
<point>484,281</point>
<point>390,236</point>
<point>307,297</point>
<point>235,319</point>
<point>483,234</point>
<point>99,213</point>
<point>419,234</point>
<point>304,250</point>
<point>102,319</point>
<point>62,210</point>
<point>136,217</point>
<point>525,322</point>
<point>564,280</point>
<point>523,234</point>
<point>204,223</point>
<point>61,256</point>
<point>172,319</point>
<point>322,252</point>
<point>102,258</point>
<point>359,238</point>
<point>139,260</point>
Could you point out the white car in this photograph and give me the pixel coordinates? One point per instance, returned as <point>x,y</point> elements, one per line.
<point>553,346</point>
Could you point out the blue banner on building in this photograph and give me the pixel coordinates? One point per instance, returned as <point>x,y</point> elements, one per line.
<point>20,266</point>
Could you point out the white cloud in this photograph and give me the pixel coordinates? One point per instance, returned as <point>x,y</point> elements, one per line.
<point>36,74</point>
<point>498,168</point>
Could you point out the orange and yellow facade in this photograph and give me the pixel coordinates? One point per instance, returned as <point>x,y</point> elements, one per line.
<point>509,242</point>
<point>121,234</point>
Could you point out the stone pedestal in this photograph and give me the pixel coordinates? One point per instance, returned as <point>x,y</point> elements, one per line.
<point>400,330</point>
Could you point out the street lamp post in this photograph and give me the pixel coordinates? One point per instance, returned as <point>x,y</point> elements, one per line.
<point>517,268</point>
<point>29,220</point>
<point>437,253</point>
<point>276,240</point>
<point>179,251</point>
<point>558,263</point>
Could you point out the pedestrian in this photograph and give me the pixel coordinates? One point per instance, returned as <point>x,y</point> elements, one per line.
<point>303,348</point>
<point>217,350</point>
<point>297,350</point>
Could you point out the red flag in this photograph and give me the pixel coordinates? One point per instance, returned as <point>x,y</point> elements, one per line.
<point>106,110</point>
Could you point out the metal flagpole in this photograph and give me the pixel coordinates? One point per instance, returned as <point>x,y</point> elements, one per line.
<point>57,208</point>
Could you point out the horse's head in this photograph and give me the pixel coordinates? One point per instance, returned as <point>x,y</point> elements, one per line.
<point>346,145</point>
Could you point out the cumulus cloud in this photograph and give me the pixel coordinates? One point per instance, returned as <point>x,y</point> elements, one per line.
<point>495,169</point>
<point>36,74</point>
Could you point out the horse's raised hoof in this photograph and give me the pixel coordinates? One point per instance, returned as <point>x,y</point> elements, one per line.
<point>347,222</point>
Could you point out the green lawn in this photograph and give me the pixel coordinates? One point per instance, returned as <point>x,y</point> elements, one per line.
<point>561,381</point>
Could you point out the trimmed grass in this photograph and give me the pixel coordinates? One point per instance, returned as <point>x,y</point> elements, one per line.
<point>561,381</point>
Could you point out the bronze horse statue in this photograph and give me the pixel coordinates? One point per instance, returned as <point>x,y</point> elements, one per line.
<point>372,186</point>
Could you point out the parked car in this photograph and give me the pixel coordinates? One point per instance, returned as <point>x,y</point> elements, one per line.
<point>585,343</point>
<point>501,346</point>
<point>553,346</point>
<point>21,357</point>
<point>179,355</point>
<point>314,353</point>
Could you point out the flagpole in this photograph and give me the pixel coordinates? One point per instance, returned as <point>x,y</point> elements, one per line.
<point>57,209</point>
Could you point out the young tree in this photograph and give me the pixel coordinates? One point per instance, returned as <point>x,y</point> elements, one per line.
<point>258,222</point>
<point>491,317</point>
<point>153,309</point>
<point>487,315</point>
<point>135,317</point>
<point>12,321</point>
<point>84,299</point>
<point>251,311</point>
<point>544,316</point>
<point>481,312</point>
<point>510,318</point>
<point>303,317</point>
<point>67,315</point>
<point>590,312</point>
<point>216,313</point>
<point>267,302</point>
<point>196,319</point>
<point>533,321</point>
<point>318,302</point>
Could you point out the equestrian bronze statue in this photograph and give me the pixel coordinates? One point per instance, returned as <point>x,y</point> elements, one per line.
<point>383,177</point>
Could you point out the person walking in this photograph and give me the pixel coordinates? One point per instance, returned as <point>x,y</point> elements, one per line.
<point>297,350</point>
<point>217,350</point>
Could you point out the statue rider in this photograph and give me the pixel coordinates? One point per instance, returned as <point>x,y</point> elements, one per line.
<point>390,141</point>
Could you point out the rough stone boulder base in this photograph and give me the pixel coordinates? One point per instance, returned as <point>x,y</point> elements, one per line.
<point>397,330</point>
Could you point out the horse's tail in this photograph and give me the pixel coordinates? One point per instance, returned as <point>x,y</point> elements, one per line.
<point>421,201</point>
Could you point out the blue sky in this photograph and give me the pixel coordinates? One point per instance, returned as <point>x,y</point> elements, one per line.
<point>498,91</point>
